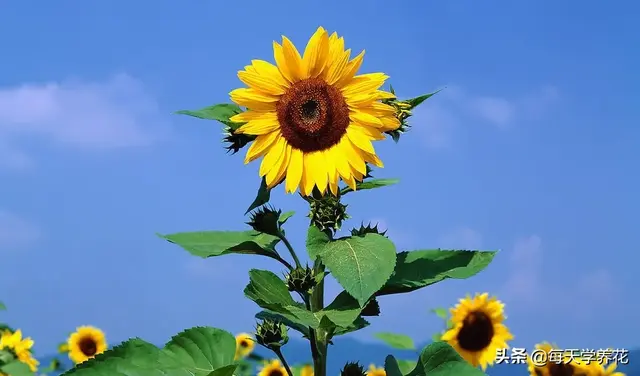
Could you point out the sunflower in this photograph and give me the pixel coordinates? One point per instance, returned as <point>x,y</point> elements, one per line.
<point>20,347</point>
<point>244,345</point>
<point>306,370</point>
<point>570,365</point>
<point>85,343</point>
<point>273,368</point>
<point>477,331</point>
<point>375,371</point>
<point>313,118</point>
<point>600,369</point>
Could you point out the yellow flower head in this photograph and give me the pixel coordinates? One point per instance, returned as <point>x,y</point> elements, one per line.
<point>313,118</point>
<point>306,370</point>
<point>20,347</point>
<point>477,330</point>
<point>273,368</point>
<point>599,369</point>
<point>244,345</point>
<point>375,371</point>
<point>85,343</point>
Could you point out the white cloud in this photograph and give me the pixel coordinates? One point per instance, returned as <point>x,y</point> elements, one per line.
<point>15,231</point>
<point>497,111</point>
<point>525,263</point>
<point>461,238</point>
<point>111,114</point>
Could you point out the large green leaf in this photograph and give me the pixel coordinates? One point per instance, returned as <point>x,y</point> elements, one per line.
<point>16,368</point>
<point>397,341</point>
<point>262,197</point>
<point>440,359</point>
<point>220,112</point>
<point>200,351</point>
<point>406,366</point>
<point>217,243</point>
<point>267,289</point>
<point>371,184</point>
<point>417,269</point>
<point>316,241</point>
<point>359,323</point>
<point>361,264</point>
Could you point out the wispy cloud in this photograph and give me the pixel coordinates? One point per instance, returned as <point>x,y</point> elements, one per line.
<point>461,238</point>
<point>15,231</point>
<point>525,265</point>
<point>110,114</point>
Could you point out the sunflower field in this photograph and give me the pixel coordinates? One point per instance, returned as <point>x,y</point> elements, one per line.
<point>312,121</point>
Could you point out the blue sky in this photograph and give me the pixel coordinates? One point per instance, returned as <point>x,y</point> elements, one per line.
<point>529,150</point>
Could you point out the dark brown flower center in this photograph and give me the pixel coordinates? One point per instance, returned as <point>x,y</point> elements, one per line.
<point>477,332</point>
<point>88,346</point>
<point>244,343</point>
<point>561,369</point>
<point>276,372</point>
<point>313,115</point>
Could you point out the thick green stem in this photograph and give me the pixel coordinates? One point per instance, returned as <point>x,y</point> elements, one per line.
<point>291,250</point>
<point>319,337</point>
<point>283,361</point>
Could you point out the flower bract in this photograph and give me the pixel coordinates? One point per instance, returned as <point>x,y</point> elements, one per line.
<point>314,119</point>
<point>85,343</point>
<point>477,330</point>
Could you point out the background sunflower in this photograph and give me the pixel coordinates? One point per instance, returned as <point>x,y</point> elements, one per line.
<point>85,343</point>
<point>244,345</point>
<point>273,368</point>
<point>21,347</point>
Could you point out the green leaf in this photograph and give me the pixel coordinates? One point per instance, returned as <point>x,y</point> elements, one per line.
<point>441,313</point>
<point>220,112</point>
<point>361,264</point>
<point>406,366</point>
<point>16,368</point>
<point>440,359</point>
<point>397,341</point>
<point>371,184</point>
<point>418,269</point>
<point>436,337</point>
<point>414,102</point>
<point>267,289</point>
<point>295,325</point>
<point>316,241</point>
<point>263,196</point>
<point>285,216</point>
<point>391,366</point>
<point>217,243</point>
<point>199,351</point>
<point>3,307</point>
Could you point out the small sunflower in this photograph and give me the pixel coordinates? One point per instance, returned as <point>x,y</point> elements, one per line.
<point>273,368</point>
<point>21,347</point>
<point>375,371</point>
<point>244,345</point>
<point>313,118</point>
<point>570,366</point>
<point>307,370</point>
<point>599,369</point>
<point>85,343</point>
<point>477,330</point>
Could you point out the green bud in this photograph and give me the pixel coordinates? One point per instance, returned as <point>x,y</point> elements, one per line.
<point>265,220</point>
<point>271,334</point>
<point>372,308</point>
<point>368,229</point>
<point>353,369</point>
<point>235,141</point>
<point>301,280</point>
<point>327,212</point>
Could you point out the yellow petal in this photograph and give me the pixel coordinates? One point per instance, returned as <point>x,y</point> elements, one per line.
<point>262,83</point>
<point>293,60</point>
<point>383,109</point>
<point>333,72</point>
<point>364,83</point>
<point>266,122</point>
<point>385,95</point>
<point>350,70</point>
<point>370,132</point>
<point>270,72</point>
<point>341,163</point>
<point>274,176</point>
<point>336,45</point>
<point>316,53</point>
<point>329,160</point>
<point>315,161</point>
<point>306,182</point>
<point>365,118</point>
<point>253,100</point>
<point>273,155</point>
<point>389,123</point>
<point>281,62</point>
<point>350,151</point>
<point>360,140</point>
<point>260,145</point>
<point>294,171</point>
<point>373,159</point>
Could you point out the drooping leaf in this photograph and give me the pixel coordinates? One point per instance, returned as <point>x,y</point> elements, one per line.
<point>371,184</point>
<point>396,341</point>
<point>414,102</point>
<point>221,112</point>
<point>440,359</point>
<point>359,323</point>
<point>285,216</point>
<point>267,289</point>
<point>406,366</point>
<point>441,313</point>
<point>16,368</point>
<point>262,197</point>
<point>418,269</point>
<point>217,243</point>
<point>203,349</point>
<point>361,264</point>
<point>391,366</point>
<point>316,241</point>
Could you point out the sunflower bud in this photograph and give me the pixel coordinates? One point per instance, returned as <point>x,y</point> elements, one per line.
<point>235,141</point>
<point>301,280</point>
<point>368,229</point>
<point>327,212</point>
<point>265,220</point>
<point>353,369</point>
<point>271,334</point>
<point>372,308</point>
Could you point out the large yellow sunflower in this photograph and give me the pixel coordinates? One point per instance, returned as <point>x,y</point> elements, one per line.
<point>20,347</point>
<point>85,343</point>
<point>313,118</point>
<point>273,368</point>
<point>244,345</point>
<point>375,371</point>
<point>478,332</point>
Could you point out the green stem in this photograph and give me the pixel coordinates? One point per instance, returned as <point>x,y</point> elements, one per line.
<point>283,361</point>
<point>283,262</point>
<point>290,248</point>
<point>319,338</point>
